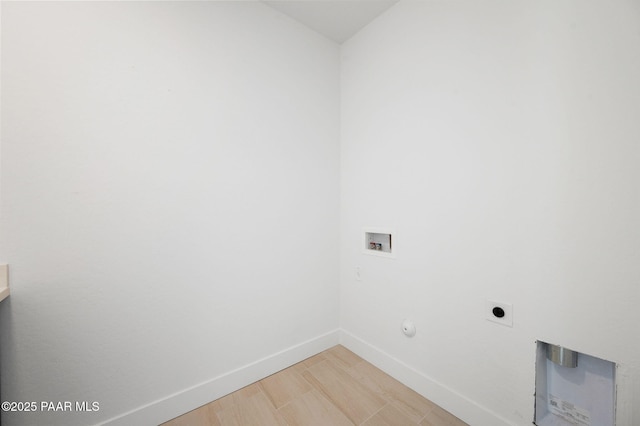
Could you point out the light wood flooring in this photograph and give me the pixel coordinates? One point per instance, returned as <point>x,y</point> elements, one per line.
<point>335,387</point>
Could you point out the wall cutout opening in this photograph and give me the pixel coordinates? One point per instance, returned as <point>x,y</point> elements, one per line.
<point>573,388</point>
<point>379,242</point>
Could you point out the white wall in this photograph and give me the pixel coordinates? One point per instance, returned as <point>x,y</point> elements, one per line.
<point>164,166</point>
<point>170,179</point>
<point>500,140</point>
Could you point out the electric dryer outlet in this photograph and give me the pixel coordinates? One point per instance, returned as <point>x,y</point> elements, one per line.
<point>499,312</point>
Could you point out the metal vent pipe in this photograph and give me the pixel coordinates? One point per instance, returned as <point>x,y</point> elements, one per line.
<point>562,356</point>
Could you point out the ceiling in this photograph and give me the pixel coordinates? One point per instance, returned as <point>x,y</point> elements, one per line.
<point>335,19</point>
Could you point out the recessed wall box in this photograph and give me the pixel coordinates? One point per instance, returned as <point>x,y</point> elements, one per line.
<point>573,388</point>
<point>379,242</point>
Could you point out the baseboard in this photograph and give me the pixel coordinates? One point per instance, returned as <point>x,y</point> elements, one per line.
<point>452,401</point>
<point>188,399</point>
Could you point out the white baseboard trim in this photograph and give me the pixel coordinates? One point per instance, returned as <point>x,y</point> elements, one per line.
<point>188,399</point>
<point>459,405</point>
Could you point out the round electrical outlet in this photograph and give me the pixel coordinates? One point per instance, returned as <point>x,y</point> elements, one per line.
<point>498,312</point>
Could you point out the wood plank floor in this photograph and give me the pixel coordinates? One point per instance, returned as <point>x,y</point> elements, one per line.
<point>335,387</point>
